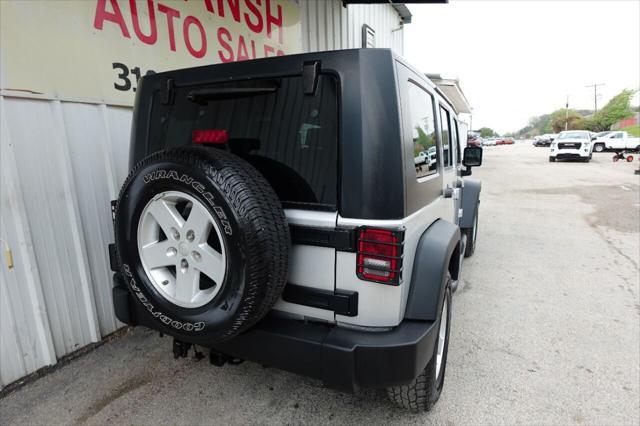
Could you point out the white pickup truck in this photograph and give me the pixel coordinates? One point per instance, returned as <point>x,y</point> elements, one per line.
<point>616,141</point>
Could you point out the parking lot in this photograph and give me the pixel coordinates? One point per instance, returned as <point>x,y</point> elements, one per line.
<point>546,326</point>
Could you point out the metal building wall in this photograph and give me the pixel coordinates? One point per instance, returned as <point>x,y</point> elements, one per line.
<point>61,162</point>
<point>327,25</point>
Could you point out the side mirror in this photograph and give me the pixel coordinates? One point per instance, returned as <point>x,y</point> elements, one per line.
<point>472,157</point>
<point>593,138</point>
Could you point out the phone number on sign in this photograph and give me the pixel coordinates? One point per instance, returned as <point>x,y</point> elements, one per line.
<point>124,81</point>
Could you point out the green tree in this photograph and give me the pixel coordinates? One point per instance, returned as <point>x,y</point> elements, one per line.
<point>423,141</point>
<point>615,110</point>
<point>487,132</point>
<point>573,120</point>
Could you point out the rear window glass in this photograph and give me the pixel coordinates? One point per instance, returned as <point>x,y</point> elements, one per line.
<point>291,138</point>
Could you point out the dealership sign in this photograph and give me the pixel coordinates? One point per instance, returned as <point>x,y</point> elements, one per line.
<point>99,49</point>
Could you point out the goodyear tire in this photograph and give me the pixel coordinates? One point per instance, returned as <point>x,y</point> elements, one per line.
<point>202,242</point>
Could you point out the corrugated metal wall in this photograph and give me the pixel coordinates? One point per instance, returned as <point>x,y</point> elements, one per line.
<point>327,25</point>
<point>61,164</point>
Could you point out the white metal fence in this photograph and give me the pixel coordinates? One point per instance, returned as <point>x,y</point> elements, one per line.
<point>61,164</point>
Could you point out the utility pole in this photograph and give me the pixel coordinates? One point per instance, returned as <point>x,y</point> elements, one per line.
<point>595,95</point>
<point>566,115</point>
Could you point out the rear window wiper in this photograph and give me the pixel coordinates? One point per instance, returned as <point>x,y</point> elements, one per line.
<point>204,95</point>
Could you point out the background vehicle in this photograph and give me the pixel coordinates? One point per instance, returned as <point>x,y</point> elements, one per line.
<point>489,142</point>
<point>505,141</point>
<point>474,139</point>
<point>572,145</point>
<point>616,141</point>
<point>216,195</point>
<point>545,140</point>
<point>421,158</point>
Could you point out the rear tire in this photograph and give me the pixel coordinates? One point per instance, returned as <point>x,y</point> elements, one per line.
<point>425,390</point>
<point>598,147</point>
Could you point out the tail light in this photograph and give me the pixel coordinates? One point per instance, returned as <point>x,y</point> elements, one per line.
<point>380,255</point>
<point>210,136</point>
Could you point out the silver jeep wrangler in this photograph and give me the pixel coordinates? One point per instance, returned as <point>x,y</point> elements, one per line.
<point>277,211</point>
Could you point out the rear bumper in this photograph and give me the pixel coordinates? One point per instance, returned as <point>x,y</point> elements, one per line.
<point>342,358</point>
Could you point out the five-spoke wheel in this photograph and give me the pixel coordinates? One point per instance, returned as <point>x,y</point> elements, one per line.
<point>181,249</point>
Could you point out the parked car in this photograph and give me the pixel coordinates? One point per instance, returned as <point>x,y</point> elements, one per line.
<point>474,140</point>
<point>545,140</point>
<point>301,244</point>
<point>426,159</point>
<point>489,142</point>
<point>572,145</point>
<point>504,141</point>
<point>615,141</point>
<point>421,158</point>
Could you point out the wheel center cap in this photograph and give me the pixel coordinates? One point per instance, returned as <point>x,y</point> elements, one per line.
<point>184,249</point>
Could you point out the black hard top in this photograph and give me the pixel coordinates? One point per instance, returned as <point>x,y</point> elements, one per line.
<point>371,155</point>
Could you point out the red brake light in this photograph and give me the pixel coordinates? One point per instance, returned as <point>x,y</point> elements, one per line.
<point>380,255</point>
<point>210,136</point>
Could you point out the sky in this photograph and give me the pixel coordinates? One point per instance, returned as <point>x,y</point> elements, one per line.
<point>518,59</point>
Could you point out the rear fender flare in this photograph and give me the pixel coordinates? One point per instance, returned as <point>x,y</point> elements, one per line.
<point>469,202</point>
<point>435,256</point>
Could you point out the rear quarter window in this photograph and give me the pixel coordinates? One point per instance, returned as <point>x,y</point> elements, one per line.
<point>423,129</point>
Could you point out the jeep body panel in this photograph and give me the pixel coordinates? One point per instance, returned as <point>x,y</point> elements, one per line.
<point>310,265</point>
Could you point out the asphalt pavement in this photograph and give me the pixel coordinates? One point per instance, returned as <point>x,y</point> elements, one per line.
<point>546,327</point>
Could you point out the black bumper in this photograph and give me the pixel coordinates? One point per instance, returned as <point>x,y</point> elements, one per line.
<point>342,358</point>
<point>569,156</point>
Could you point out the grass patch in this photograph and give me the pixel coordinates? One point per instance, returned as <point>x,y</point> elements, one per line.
<point>633,130</point>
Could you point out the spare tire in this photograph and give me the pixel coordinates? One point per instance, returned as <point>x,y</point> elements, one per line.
<point>202,241</point>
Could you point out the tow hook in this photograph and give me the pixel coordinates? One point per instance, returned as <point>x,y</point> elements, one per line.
<point>219,359</point>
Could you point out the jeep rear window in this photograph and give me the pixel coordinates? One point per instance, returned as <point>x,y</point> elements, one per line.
<point>290,137</point>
